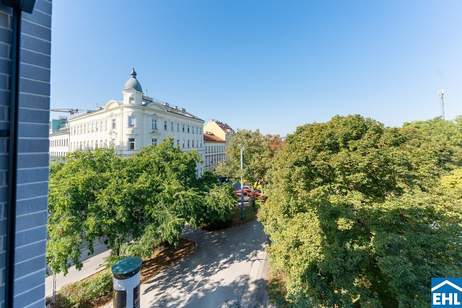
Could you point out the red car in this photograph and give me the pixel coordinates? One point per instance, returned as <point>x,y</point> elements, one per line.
<point>250,193</point>
<point>247,192</point>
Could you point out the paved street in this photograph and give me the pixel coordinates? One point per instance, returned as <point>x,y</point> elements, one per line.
<point>228,270</point>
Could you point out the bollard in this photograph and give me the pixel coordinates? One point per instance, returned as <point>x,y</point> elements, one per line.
<point>126,280</point>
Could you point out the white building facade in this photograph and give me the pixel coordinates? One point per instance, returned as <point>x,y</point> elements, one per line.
<point>59,143</point>
<point>134,122</point>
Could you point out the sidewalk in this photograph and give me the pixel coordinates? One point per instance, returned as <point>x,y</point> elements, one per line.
<point>90,266</point>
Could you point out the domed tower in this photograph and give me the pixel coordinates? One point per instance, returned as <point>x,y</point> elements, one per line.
<point>132,92</point>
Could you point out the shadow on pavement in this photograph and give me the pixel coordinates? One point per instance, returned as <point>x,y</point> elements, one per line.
<point>216,251</point>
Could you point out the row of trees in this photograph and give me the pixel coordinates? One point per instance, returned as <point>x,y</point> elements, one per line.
<point>132,203</point>
<point>259,151</point>
<point>363,215</point>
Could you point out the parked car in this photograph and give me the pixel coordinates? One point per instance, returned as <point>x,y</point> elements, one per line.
<point>248,191</point>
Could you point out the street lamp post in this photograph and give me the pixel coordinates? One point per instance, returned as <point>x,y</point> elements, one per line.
<point>441,94</point>
<point>241,206</point>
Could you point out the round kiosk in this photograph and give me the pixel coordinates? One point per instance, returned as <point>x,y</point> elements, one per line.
<point>126,280</point>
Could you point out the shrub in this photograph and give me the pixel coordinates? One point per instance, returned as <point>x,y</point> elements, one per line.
<point>90,292</point>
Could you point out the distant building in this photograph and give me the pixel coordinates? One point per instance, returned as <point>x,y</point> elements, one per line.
<point>216,137</point>
<point>59,143</point>
<point>215,151</point>
<point>57,124</point>
<point>219,129</point>
<point>134,122</point>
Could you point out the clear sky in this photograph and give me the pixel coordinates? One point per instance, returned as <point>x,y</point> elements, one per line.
<point>271,65</point>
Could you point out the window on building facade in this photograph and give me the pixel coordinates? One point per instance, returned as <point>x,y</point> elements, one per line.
<point>165,125</point>
<point>178,143</point>
<point>188,143</point>
<point>154,141</point>
<point>188,128</point>
<point>131,143</point>
<point>193,143</point>
<point>183,128</point>
<point>131,121</point>
<point>113,123</point>
<point>153,124</point>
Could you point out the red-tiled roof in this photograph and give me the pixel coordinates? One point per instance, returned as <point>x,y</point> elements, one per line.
<point>212,138</point>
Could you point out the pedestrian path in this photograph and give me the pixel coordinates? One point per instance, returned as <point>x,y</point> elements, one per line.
<point>228,269</point>
<point>90,266</point>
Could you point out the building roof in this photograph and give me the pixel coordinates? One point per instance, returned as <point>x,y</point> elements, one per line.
<point>212,138</point>
<point>169,108</point>
<point>224,126</point>
<point>132,83</point>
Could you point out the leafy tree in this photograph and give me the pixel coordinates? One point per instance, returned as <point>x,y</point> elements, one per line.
<point>259,150</point>
<point>73,191</point>
<point>354,211</point>
<point>132,203</point>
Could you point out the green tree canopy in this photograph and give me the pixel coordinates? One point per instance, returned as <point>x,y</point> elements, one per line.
<point>259,151</point>
<point>132,203</point>
<point>357,213</point>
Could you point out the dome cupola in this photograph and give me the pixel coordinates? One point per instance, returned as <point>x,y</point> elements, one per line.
<point>133,83</point>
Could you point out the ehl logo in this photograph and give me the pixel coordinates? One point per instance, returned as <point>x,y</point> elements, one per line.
<point>446,292</point>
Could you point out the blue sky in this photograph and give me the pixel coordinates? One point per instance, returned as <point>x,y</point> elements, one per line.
<point>271,65</point>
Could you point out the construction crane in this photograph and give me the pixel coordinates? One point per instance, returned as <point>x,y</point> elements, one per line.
<point>71,111</point>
